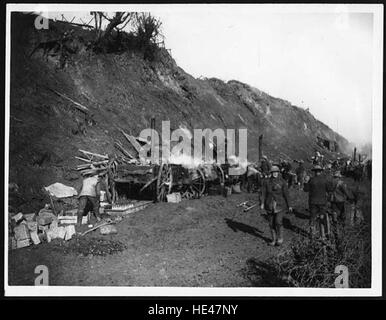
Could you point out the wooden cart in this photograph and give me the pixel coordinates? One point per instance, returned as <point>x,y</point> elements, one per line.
<point>154,181</point>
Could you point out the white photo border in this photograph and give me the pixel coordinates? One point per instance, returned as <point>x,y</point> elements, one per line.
<point>377,132</point>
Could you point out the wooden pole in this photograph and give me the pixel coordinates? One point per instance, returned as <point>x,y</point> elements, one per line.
<point>260,147</point>
<point>152,126</point>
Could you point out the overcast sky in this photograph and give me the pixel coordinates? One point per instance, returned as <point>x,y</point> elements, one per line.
<point>322,61</point>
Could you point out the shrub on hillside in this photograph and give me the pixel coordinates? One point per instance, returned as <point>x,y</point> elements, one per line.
<point>147,31</point>
<point>141,34</point>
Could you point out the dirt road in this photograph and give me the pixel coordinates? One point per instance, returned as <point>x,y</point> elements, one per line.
<point>198,243</point>
<point>207,242</point>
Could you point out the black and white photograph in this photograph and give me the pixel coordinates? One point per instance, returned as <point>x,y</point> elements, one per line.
<point>193,150</point>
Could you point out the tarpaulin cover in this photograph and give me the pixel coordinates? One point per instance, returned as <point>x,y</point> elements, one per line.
<point>60,190</point>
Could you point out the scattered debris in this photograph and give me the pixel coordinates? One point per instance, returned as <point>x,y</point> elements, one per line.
<point>29,216</point>
<point>34,237</point>
<point>118,210</point>
<point>68,219</point>
<point>247,205</point>
<point>18,217</point>
<point>108,229</point>
<point>97,227</point>
<point>21,232</point>
<point>23,243</point>
<point>174,197</point>
<point>70,231</point>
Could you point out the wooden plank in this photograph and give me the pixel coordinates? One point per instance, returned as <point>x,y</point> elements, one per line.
<point>123,150</point>
<point>143,140</point>
<point>94,154</point>
<point>77,104</point>
<point>133,141</point>
<point>81,159</point>
<point>135,208</point>
<point>99,170</point>
<point>148,184</point>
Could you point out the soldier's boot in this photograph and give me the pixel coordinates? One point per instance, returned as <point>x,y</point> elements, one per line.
<point>280,239</point>
<point>80,217</point>
<point>273,234</point>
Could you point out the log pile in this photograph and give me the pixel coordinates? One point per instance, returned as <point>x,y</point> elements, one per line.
<point>136,144</point>
<point>92,162</point>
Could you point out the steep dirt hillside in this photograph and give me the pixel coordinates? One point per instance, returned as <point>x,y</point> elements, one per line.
<point>123,91</point>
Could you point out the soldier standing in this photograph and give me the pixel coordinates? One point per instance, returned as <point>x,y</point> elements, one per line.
<point>275,201</point>
<point>317,187</point>
<point>339,195</point>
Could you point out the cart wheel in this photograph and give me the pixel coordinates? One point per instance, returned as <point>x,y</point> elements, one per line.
<point>164,181</point>
<point>197,186</point>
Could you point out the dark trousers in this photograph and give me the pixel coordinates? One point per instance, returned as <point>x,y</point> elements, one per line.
<point>315,210</point>
<point>83,202</point>
<point>340,210</point>
<point>275,219</point>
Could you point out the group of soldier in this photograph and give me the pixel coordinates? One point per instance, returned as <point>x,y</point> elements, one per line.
<point>327,192</point>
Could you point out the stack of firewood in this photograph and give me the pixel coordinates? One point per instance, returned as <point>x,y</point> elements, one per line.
<point>135,143</point>
<point>92,162</point>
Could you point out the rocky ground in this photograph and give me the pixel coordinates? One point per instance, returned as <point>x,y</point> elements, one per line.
<point>198,243</point>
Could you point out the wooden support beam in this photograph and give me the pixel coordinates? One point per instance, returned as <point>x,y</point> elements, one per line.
<point>132,141</point>
<point>82,159</point>
<point>94,154</point>
<point>119,146</point>
<point>148,184</point>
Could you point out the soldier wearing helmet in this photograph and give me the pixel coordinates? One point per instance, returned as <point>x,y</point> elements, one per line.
<point>275,201</point>
<point>338,196</point>
<point>317,187</point>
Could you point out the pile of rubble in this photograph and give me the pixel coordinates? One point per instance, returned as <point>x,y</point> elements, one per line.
<point>27,229</point>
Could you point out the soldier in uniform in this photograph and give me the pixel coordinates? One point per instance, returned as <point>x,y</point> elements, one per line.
<point>275,201</point>
<point>339,195</point>
<point>317,187</point>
